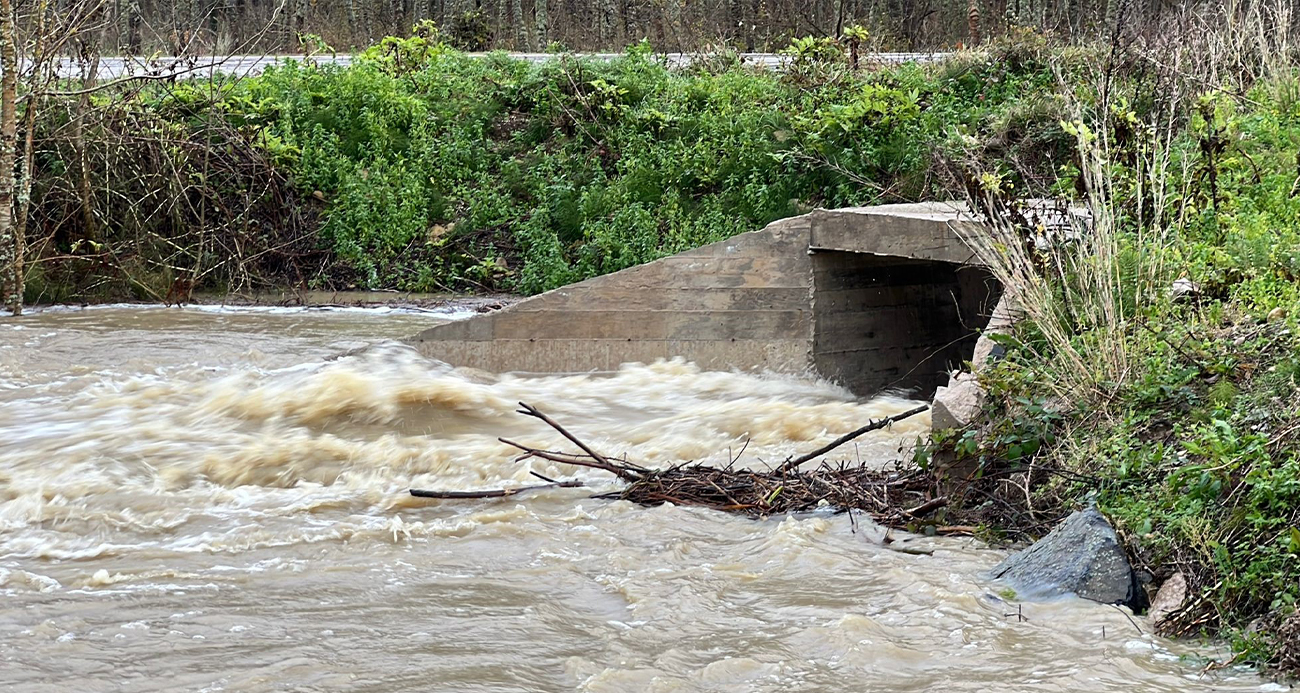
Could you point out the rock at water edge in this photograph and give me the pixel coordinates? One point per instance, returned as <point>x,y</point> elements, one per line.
<point>1169,599</point>
<point>959,404</point>
<point>1081,556</point>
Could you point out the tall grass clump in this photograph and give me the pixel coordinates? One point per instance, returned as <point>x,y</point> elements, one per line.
<point>1078,270</point>
<point>1103,249</point>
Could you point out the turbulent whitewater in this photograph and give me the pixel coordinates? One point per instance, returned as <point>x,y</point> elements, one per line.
<point>216,501</point>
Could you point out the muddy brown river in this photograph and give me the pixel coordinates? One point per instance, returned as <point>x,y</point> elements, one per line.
<point>207,500</point>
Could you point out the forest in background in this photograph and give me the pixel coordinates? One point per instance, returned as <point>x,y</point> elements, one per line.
<point>188,27</point>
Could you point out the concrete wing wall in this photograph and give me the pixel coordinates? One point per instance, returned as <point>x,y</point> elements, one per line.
<point>921,231</point>
<point>744,303</point>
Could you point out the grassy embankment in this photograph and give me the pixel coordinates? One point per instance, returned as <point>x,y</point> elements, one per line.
<point>421,169</point>
<point>1177,411</point>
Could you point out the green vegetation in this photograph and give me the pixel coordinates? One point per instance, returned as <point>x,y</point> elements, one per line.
<point>445,171</point>
<point>1156,368</point>
<point>421,168</point>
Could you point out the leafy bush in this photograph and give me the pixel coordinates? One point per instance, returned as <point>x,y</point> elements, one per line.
<point>433,162</point>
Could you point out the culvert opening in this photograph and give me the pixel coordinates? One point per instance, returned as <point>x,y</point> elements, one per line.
<point>885,323</point>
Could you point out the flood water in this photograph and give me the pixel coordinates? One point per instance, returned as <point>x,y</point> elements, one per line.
<point>194,500</point>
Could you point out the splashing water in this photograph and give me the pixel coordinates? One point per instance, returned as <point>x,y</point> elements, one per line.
<point>207,500</point>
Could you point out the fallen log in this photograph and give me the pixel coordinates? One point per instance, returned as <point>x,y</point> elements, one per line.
<point>493,493</point>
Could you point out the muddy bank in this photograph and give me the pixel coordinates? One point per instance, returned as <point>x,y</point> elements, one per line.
<point>457,305</point>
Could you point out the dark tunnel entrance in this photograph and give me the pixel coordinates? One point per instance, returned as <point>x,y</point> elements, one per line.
<point>885,323</point>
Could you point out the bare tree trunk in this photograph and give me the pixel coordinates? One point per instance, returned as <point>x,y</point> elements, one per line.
<point>674,23</point>
<point>9,263</point>
<point>615,34</point>
<point>133,20</point>
<point>521,27</point>
<point>604,17</point>
<point>298,22</point>
<point>89,230</point>
<point>542,20</point>
<point>40,77</point>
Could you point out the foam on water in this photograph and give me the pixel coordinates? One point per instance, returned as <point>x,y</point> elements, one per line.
<point>182,483</point>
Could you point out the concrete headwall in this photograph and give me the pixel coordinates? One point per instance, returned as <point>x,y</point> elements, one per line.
<point>873,298</point>
<point>745,302</point>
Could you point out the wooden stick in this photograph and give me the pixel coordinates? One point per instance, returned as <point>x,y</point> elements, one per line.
<point>927,507</point>
<point>793,464</point>
<point>533,411</point>
<point>493,493</point>
<point>565,458</point>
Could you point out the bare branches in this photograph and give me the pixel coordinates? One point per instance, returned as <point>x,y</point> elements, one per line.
<point>793,464</point>
<point>533,412</point>
<point>897,496</point>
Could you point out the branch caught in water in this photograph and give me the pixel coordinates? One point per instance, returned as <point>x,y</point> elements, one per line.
<point>895,497</point>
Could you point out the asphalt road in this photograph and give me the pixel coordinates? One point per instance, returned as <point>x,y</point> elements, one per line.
<point>203,67</point>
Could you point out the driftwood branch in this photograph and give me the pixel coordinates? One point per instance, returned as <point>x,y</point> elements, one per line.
<point>624,471</point>
<point>793,464</point>
<point>602,464</point>
<point>927,507</point>
<point>494,493</point>
<point>896,497</point>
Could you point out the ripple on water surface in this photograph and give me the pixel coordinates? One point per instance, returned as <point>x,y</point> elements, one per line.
<point>214,501</point>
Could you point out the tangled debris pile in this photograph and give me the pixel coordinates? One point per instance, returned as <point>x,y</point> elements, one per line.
<point>895,496</point>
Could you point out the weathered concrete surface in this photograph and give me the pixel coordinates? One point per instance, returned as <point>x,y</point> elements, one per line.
<point>1081,556</point>
<point>745,302</point>
<point>922,231</point>
<point>1002,321</point>
<point>874,298</point>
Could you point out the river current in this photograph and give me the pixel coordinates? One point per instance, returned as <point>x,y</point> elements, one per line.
<point>216,500</point>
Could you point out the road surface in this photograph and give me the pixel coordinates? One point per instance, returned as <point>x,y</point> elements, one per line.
<point>203,67</point>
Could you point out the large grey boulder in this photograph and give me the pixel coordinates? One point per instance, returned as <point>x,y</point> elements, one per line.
<point>1082,556</point>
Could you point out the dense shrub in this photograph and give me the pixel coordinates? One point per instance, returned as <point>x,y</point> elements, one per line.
<point>446,171</point>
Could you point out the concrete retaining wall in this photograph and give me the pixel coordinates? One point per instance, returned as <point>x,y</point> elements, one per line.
<point>745,302</point>
<point>873,298</point>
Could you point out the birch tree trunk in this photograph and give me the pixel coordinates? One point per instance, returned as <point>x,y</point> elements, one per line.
<point>9,262</point>
<point>543,24</point>
<point>39,79</point>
